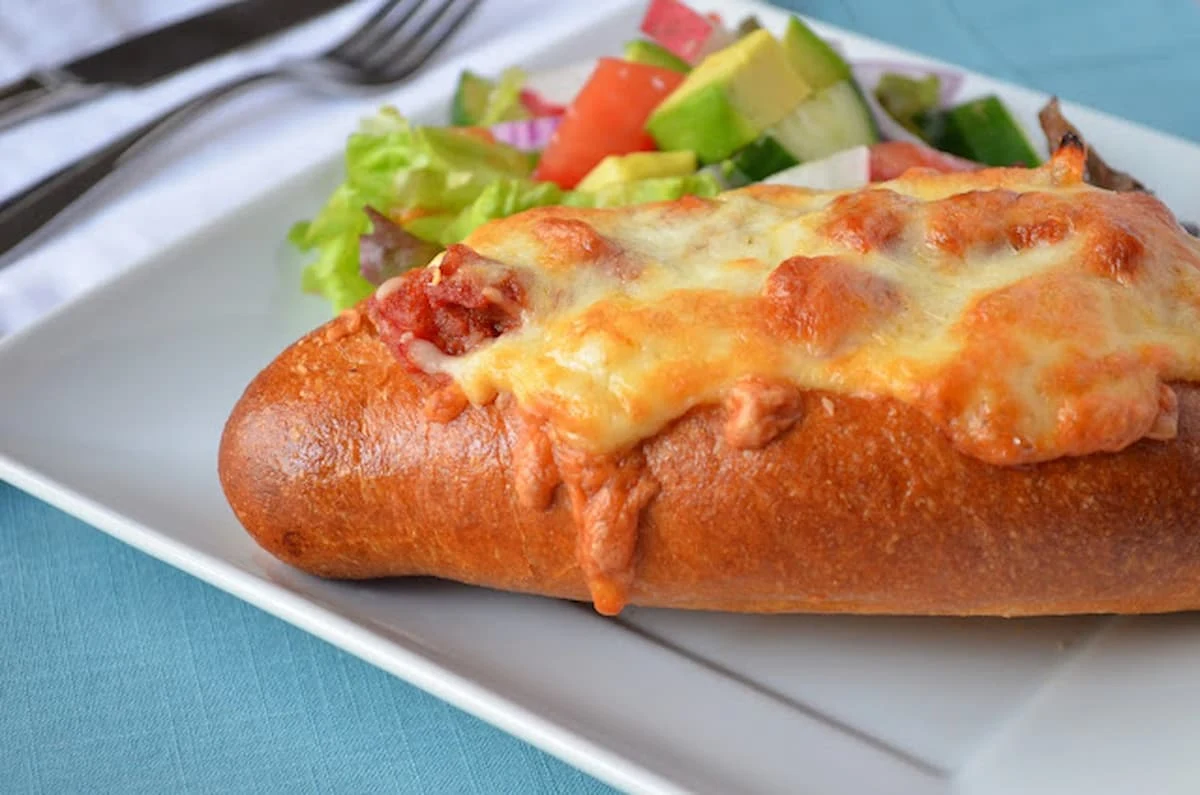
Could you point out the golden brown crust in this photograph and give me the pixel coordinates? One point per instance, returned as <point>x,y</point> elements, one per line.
<point>859,506</point>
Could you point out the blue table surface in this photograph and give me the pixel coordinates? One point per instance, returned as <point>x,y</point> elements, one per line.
<point>121,674</point>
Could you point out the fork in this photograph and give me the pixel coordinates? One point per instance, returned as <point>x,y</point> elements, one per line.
<point>391,45</point>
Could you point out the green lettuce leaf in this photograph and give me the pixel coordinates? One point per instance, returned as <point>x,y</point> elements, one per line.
<point>393,166</point>
<point>509,197</point>
<point>500,200</point>
<point>431,227</point>
<point>457,182</point>
<point>504,100</point>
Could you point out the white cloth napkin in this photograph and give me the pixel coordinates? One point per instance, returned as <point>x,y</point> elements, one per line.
<point>41,33</point>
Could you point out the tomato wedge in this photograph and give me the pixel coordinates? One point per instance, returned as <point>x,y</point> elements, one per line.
<point>608,117</point>
<point>683,31</point>
<point>890,159</point>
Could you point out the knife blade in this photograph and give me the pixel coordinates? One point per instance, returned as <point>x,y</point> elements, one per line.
<point>153,55</point>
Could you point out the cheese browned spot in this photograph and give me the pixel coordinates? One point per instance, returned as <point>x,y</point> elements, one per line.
<point>568,243</point>
<point>969,220</point>
<point>1041,228</point>
<point>824,301</point>
<point>1115,252</point>
<point>869,220</point>
<point>1055,326</point>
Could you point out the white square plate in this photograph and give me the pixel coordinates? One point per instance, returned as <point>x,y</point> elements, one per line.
<point>112,407</point>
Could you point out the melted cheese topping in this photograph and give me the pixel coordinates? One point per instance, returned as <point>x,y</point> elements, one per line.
<point>1029,315</point>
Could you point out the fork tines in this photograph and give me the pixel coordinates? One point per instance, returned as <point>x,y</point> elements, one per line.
<point>400,36</point>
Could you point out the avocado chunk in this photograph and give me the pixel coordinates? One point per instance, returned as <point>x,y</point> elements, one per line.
<point>833,119</point>
<point>647,52</point>
<point>616,169</point>
<point>729,99</point>
<point>812,57</point>
<point>642,191</point>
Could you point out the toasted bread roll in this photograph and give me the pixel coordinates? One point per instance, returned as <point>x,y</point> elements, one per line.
<point>332,462</point>
<point>944,394</point>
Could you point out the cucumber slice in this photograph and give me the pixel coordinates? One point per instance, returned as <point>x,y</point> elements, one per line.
<point>833,120</point>
<point>812,57</point>
<point>984,131</point>
<point>651,54</point>
<point>470,99</point>
<point>931,126</point>
<point>762,158</point>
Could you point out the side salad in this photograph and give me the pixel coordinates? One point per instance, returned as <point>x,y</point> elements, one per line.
<point>692,108</point>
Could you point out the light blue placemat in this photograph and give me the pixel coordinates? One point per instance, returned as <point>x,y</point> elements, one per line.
<point>120,674</point>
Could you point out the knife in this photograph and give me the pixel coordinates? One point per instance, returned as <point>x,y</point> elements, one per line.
<point>153,55</point>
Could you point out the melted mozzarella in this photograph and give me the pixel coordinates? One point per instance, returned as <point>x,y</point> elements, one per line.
<point>1027,314</point>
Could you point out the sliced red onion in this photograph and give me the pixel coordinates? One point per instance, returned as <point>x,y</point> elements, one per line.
<point>682,30</point>
<point>528,135</point>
